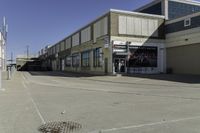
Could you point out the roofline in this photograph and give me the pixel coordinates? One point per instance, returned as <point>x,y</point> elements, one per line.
<point>147,5</point>
<point>111,10</point>
<point>182,18</point>
<point>85,26</point>
<point>191,2</point>
<point>137,13</point>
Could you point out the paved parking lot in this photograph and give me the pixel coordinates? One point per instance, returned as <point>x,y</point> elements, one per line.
<point>101,104</point>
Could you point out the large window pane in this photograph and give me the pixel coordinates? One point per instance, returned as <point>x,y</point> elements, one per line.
<point>85,59</point>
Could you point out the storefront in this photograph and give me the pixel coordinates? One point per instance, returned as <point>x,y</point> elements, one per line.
<point>129,57</point>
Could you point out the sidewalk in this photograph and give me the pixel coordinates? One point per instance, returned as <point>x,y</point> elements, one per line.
<point>17,114</point>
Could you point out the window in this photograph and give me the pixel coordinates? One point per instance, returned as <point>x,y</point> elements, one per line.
<point>97,57</point>
<point>187,22</point>
<point>75,60</point>
<point>143,56</point>
<point>154,9</point>
<point>85,59</point>
<point>68,61</point>
<point>177,9</point>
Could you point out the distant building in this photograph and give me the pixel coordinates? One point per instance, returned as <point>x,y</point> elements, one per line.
<point>160,37</point>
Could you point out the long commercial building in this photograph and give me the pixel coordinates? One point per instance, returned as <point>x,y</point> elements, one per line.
<point>156,38</point>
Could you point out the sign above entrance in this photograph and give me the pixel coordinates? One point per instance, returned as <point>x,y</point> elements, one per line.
<point>120,47</point>
<point>106,42</point>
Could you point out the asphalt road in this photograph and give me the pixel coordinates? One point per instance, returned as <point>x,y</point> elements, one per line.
<point>106,104</point>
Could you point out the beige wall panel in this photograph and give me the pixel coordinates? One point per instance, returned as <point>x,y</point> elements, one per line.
<point>75,39</point>
<point>86,35</point>
<point>122,25</point>
<point>105,26</point>
<point>145,24</point>
<point>184,59</point>
<point>100,28</point>
<point>62,46</point>
<point>68,43</point>
<point>181,38</point>
<point>138,26</point>
<point>130,26</point>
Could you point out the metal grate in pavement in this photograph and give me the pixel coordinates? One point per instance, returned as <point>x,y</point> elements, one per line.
<point>60,127</point>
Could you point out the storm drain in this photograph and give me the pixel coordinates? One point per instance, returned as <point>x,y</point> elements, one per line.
<point>60,127</point>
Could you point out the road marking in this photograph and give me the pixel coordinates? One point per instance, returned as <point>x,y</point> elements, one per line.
<point>35,105</point>
<point>145,125</point>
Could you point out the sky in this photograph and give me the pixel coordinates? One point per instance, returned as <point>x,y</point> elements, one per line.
<point>38,23</point>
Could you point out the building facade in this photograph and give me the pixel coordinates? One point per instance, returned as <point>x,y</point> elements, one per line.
<point>144,41</point>
<point>2,52</point>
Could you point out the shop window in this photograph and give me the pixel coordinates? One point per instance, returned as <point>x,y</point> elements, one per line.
<point>143,56</point>
<point>68,61</point>
<point>85,59</point>
<point>97,57</point>
<point>75,60</point>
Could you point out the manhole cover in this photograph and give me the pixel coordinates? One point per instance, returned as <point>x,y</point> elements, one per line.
<point>60,127</point>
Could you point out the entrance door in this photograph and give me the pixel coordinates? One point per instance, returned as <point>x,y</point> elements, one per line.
<point>120,65</point>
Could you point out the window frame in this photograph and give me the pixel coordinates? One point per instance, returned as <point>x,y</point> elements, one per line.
<point>85,59</point>
<point>97,61</point>
<point>187,22</point>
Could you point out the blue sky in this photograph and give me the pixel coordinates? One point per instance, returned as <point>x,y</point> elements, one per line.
<point>41,22</point>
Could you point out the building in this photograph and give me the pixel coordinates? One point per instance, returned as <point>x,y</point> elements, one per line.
<point>171,9</point>
<point>28,63</point>
<point>2,52</point>
<point>148,40</point>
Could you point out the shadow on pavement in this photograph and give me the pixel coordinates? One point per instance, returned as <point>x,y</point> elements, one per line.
<point>62,74</point>
<point>191,79</point>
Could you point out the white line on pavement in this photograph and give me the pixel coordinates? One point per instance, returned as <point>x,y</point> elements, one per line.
<point>35,105</point>
<point>145,125</point>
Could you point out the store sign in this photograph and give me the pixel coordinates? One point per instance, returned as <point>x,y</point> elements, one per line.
<point>120,47</point>
<point>106,42</point>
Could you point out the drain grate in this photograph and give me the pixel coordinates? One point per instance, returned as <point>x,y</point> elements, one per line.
<point>60,127</point>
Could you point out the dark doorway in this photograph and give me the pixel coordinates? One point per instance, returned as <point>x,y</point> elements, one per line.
<point>120,65</point>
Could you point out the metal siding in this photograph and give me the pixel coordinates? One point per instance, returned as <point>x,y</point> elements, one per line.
<point>68,43</point>
<point>75,39</point>
<point>105,26</point>
<point>138,26</point>
<point>122,25</point>
<point>86,35</point>
<point>145,27</point>
<point>100,28</point>
<point>130,26</point>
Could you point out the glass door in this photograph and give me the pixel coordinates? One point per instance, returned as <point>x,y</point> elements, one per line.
<point>120,65</point>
